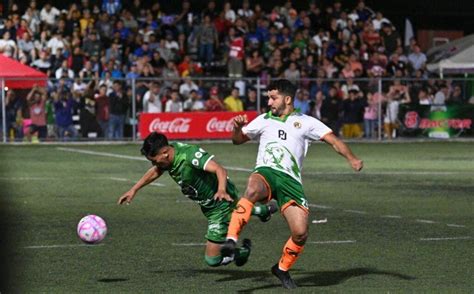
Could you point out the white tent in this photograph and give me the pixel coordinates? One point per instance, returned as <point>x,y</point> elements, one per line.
<point>453,57</point>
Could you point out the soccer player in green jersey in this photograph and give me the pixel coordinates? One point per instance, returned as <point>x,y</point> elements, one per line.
<point>284,136</point>
<point>204,181</point>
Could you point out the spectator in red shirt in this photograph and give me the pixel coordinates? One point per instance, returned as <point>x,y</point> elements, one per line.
<point>214,103</point>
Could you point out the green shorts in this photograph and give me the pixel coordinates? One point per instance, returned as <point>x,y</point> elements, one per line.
<point>283,188</point>
<point>218,216</point>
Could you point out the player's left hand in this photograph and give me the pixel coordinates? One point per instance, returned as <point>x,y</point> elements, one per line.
<point>357,164</point>
<point>222,195</point>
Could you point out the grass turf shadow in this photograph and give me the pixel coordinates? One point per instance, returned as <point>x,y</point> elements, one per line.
<point>112,280</point>
<point>302,278</point>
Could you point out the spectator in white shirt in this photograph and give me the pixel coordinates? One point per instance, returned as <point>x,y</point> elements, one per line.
<point>151,99</point>
<point>64,71</point>
<point>186,87</point>
<point>7,46</point>
<point>56,42</point>
<point>194,102</point>
<point>174,104</point>
<point>49,14</point>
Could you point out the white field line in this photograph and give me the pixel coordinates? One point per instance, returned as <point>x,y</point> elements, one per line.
<point>456,226</point>
<point>26,178</point>
<point>355,211</point>
<point>319,221</point>
<point>62,246</point>
<point>130,181</point>
<point>320,206</point>
<point>391,216</point>
<point>332,242</point>
<point>425,221</point>
<point>446,238</point>
<point>249,170</point>
<point>188,244</point>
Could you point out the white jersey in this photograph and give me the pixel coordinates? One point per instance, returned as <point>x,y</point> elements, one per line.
<point>283,143</point>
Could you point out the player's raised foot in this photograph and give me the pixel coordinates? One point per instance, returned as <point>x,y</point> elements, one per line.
<point>284,276</point>
<point>272,207</point>
<point>228,248</point>
<point>243,253</point>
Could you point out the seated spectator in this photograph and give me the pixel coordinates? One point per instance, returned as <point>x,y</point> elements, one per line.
<point>456,95</point>
<point>64,71</point>
<point>8,46</point>
<point>254,64</point>
<point>424,98</point>
<point>417,59</point>
<point>174,104</point>
<point>292,73</point>
<point>194,102</point>
<point>233,102</point>
<point>214,103</point>
<point>302,101</point>
<point>186,87</point>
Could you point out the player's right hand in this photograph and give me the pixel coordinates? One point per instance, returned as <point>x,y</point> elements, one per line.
<point>127,197</point>
<point>240,121</point>
<point>222,195</point>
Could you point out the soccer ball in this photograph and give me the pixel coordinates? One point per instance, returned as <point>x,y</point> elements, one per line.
<point>92,229</point>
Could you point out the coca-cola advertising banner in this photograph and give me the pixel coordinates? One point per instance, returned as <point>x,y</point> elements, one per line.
<point>191,125</point>
<point>446,121</point>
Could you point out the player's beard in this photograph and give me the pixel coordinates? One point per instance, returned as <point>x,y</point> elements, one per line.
<point>278,111</point>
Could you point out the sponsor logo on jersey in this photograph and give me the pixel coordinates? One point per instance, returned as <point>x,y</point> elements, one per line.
<point>297,124</point>
<point>177,125</point>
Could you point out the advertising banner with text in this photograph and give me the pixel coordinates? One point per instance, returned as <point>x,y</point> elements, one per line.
<point>191,125</point>
<point>448,121</point>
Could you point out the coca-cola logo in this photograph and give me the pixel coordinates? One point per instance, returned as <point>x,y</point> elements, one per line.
<point>412,119</point>
<point>177,125</point>
<point>214,125</point>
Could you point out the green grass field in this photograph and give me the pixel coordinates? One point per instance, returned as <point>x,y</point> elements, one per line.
<point>404,224</point>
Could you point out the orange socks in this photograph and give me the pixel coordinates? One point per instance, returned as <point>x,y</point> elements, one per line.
<point>291,251</point>
<point>240,217</point>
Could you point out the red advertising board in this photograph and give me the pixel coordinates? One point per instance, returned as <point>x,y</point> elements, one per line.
<point>191,125</point>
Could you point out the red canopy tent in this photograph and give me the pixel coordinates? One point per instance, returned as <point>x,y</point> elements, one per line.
<point>19,76</point>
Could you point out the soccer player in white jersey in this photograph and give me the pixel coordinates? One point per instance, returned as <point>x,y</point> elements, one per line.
<point>284,136</point>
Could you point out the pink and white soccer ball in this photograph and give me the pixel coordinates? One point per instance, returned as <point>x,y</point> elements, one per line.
<point>92,229</point>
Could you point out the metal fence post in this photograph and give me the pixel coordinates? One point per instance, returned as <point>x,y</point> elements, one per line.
<point>258,95</point>
<point>380,109</point>
<point>4,119</point>
<point>134,111</point>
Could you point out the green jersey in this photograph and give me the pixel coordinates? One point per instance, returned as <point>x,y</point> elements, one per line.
<point>187,170</point>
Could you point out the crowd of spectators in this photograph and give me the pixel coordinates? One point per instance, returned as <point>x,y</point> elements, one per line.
<point>93,50</point>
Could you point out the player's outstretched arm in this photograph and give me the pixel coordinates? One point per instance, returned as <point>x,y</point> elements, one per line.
<point>237,136</point>
<point>152,174</point>
<point>221,173</point>
<point>344,150</point>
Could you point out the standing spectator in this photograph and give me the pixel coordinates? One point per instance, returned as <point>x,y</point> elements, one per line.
<point>102,110</point>
<point>36,99</point>
<point>118,109</point>
<point>292,73</point>
<point>370,116</point>
<point>174,104</point>
<point>254,64</point>
<point>151,99</point>
<point>49,14</point>
<point>353,108</point>
<point>63,107</point>
<point>236,54</point>
<point>214,103</point>
<point>207,40</point>
<point>417,59</point>
<point>233,102</point>
<point>397,94</point>
<point>194,102</point>
<point>390,38</point>
<point>111,7</point>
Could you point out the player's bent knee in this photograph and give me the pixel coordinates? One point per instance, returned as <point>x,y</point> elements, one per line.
<point>213,261</point>
<point>300,238</point>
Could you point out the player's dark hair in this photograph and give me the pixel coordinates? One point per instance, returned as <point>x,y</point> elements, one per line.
<point>283,86</point>
<point>153,143</point>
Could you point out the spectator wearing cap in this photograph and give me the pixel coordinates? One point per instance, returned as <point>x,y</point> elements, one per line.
<point>194,102</point>
<point>353,110</point>
<point>214,103</point>
<point>233,102</point>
